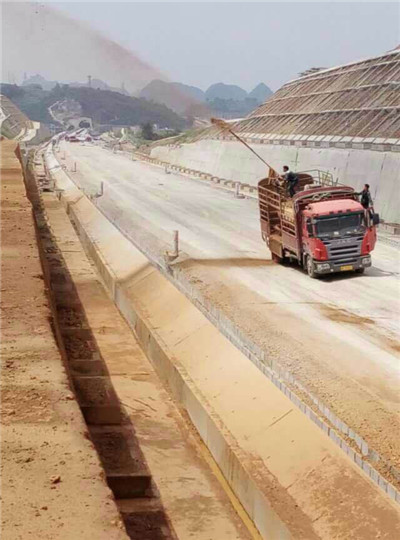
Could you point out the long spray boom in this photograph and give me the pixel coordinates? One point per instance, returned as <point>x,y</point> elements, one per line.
<point>224,126</point>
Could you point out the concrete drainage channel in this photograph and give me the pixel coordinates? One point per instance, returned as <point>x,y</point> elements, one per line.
<point>286,509</point>
<point>110,431</point>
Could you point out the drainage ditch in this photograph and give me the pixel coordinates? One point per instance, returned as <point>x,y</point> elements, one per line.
<point>109,428</point>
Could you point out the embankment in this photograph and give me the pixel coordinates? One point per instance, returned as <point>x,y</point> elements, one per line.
<point>52,482</point>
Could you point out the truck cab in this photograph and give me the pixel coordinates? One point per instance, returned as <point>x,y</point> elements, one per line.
<point>337,236</point>
<point>324,228</point>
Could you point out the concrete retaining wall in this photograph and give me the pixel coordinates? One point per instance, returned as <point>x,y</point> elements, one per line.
<point>233,161</point>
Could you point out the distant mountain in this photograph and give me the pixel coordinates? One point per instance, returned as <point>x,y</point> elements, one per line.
<point>98,84</point>
<point>179,97</point>
<point>190,91</point>
<point>225,91</point>
<point>260,93</point>
<point>38,79</point>
<point>103,106</point>
<point>232,108</point>
<point>228,99</point>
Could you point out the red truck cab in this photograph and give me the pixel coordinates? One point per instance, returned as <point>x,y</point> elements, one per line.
<point>325,229</point>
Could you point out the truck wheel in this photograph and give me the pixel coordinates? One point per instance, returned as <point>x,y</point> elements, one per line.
<point>310,268</point>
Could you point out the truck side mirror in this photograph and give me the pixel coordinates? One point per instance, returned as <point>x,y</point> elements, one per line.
<point>375,219</point>
<point>310,229</point>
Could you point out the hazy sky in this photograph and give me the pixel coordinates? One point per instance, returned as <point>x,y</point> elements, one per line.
<point>244,43</point>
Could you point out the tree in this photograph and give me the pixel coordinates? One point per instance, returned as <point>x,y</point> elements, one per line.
<point>148,131</point>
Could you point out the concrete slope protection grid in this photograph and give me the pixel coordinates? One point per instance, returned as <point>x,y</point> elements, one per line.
<point>16,125</point>
<point>354,360</point>
<point>276,462</point>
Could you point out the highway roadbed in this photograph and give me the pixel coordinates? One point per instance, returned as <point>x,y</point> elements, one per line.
<point>293,480</point>
<point>334,341</point>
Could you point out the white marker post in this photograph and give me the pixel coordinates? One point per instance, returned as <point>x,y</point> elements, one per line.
<point>238,195</point>
<point>176,244</point>
<point>168,256</point>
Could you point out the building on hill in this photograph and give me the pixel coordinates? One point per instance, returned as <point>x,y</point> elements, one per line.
<point>345,120</point>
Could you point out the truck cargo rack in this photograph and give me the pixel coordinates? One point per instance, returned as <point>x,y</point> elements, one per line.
<point>278,212</point>
<point>321,178</point>
<point>277,216</point>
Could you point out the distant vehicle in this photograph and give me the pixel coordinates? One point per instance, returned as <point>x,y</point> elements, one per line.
<point>324,228</point>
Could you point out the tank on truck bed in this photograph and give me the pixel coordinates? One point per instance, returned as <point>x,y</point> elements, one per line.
<point>323,227</point>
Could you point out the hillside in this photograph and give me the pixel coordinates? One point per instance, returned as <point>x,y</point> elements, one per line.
<point>98,84</point>
<point>31,100</point>
<point>103,106</point>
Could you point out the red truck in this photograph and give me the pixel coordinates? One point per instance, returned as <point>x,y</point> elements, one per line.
<point>324,228</point>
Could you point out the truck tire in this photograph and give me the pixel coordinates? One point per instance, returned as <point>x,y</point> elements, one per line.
<point>310,268</point>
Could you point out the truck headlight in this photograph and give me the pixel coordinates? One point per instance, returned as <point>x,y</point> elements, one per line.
<point>323,266</point>
<point>366,260</point>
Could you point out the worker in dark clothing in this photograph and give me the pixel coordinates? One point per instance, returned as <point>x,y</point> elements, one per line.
<point>366,203</point>
<point>291,179</point>
<point>366,199</point>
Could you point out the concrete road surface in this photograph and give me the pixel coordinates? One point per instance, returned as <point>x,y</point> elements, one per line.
<point>338,336</point>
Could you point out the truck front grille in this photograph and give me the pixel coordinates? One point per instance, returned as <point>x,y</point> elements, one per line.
<point>344,250</point>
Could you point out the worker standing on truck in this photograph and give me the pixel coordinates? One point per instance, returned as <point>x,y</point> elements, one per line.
<point>291,179</point>
<point>366,203</point>
<point>366,199</point>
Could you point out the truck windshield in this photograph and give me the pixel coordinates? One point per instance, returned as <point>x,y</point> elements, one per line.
<point>340,225</point>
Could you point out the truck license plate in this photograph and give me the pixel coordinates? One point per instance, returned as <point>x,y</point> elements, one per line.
<point>348,267</point>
